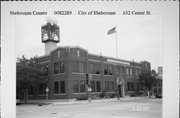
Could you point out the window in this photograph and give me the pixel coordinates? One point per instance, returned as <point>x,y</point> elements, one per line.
<point>105,70</point>
<point>127,71</point>
<point>42,88</point>
<point>78,86</point>
<point>42,68</point>
<point>106,86</point>
<point>111,86</point>
<point>91,68</point>
<point>94,68</point>
<point>137,74</point>
<point>130,72</point>
<point>62,67</point>
<point>75,66</point>
<point>80,67</point>
<point>146,66</point>
<point>110,68</point>
<point>132,86</point>
<point>98,86</point>
<point>62,87</point>
<point>46,68</point>
<point>97,69</point>
<point>93,86</point>
<point>56,67</point>
<point>129,86</point>
<point>82,86</point>
<point>59,67</point>
<point>59,87</point>
<point>31,90</point>
<point>75,86</point>
<point>56,87</point>
<point>117,70</point>
<point>121,70</point>
<point>138,86</point>
<point>141,87</point>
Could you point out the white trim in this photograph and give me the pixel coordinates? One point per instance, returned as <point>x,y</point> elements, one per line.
<point>108,75</point>
<point>42,95</point>
<point>78,73</point>
<point>44,62</point>
<point>95,92</point>
<point>110,92</point>
<point>79,93</point>
<point>60,94</point>
<point>137,67</point>
<point>94,60</point>
<point>118,61</point>
<point>130,77</point>
<point>96,74</point>
<point>60,74</point>
<point>97,55</point>
<point>68,47</point>
<point>108,63</point>
<point>131,91</point>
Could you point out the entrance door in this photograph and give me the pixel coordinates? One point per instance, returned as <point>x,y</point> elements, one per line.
<point>119,90</point>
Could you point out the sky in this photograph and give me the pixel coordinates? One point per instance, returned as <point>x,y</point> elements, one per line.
<point>139,38</point>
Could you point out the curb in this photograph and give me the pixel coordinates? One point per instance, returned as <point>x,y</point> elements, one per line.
<point>96,101</point>
<point>75,102</point>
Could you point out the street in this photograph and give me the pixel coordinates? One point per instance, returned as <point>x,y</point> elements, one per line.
<point>138,108</point>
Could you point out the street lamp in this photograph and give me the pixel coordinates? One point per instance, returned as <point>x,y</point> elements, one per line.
<point>47,90</point>
<point>46,77</point>
<point>88,83</point>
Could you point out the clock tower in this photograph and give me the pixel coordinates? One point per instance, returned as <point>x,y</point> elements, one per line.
<point>50,35</point>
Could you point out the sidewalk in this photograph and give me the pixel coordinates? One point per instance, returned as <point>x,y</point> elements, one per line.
<point>74,101</point>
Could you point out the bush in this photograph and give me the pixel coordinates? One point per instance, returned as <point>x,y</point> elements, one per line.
<point>103,94</point>
<point>112,95</point>
<point>82,98</point>
<point>132,95</point>
<point>95,97</point>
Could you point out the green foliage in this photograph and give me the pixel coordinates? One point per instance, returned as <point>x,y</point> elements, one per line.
<point>147,79</point>
<point>103,94</point>
<point>82,98</point>
<point>28,73</point>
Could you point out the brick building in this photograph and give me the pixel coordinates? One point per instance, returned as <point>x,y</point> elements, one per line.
<point>68,66</point>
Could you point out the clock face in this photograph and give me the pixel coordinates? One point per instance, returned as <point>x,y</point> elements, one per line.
<point>55,37</point>
<point>44,35</point>
<point>50,33</point>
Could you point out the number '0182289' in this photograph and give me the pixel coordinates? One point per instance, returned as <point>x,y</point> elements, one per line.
<point>62,12</point>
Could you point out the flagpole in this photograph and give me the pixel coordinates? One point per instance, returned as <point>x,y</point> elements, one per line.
<point>112,31</point>
<point>116,45</point>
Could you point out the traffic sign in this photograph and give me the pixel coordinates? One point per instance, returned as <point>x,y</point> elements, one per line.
<point>47,89</point>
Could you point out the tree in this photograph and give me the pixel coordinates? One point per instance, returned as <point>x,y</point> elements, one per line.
<point>147,80</point>
<point>28,74</point>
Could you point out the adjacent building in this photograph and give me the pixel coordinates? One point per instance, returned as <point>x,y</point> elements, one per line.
<point>157,88</point>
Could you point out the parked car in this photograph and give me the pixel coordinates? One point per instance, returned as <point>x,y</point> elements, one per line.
<point>18,102</point>
<point>158,95</point>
